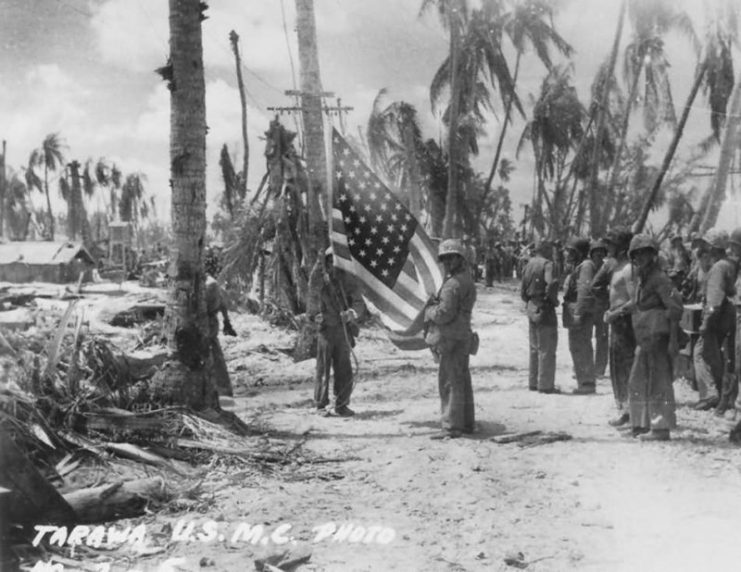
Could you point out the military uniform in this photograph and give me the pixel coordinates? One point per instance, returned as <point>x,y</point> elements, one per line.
<point>578,316</point>
<point>336,335</point>
<point>657,309</point>
<point>718,322</point>
<point>448,320</point>
<point>215,305</point>
<point>617,274</point>
<point>601,293</point>
<point>540,291</point>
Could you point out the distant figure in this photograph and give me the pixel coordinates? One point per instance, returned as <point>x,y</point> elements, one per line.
<point>335,313</point>
<point>679,261</point>
<point>216,305</point>
<point>539,290</point>
<point>448,320</point>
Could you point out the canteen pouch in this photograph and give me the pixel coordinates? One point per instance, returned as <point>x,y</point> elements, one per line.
<point>473,344</point>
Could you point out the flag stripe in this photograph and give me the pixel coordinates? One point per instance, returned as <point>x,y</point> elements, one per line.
<point>387,301</point>
<point>376,238</point>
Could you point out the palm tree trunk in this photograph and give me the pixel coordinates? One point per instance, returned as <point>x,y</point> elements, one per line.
<point>234,39</point>
<point>604,98</point>
<point>615,170</point>
<point>186,378</point>
<point>451,223</point>
<point>3,190</point>
<point>48,202</point>
<point>415,188</point>
<point>503,132</point>
<point>316,159</point>
<point>716,193</point>
<point>638,226</point>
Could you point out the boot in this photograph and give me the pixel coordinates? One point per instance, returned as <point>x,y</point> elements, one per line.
<point>655,435</point>
<point>722,406</point>
<point>735,435</point>
<point>707,403</point>
<point>619,421</point>
<point>638,431</point>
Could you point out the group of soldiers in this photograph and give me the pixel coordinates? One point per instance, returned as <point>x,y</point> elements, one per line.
<point>641,306</point>
<point>502,259</point>
<point>629,309</point>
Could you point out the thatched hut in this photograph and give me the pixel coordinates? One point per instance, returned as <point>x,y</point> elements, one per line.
<point>55,262</point>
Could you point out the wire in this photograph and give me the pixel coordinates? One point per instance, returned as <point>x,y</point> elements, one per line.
<point>297,102</point>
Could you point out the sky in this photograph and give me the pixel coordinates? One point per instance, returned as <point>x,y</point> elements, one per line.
<point>84,69</point>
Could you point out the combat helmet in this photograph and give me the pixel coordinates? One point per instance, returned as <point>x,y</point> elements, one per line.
<point>451,246</point>
<point>596,245</point>
<point>735,237</point>
<point>716,238</point>
<point>642,242</point>
<point>580,245</point>
<point>620,237</point>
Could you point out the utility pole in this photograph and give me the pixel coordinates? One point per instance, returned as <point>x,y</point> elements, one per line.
<point>311,111</point>
<point>234,39</point>
<point>3,190</point>
<point>338,110</point>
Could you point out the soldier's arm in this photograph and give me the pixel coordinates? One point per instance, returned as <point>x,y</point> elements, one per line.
<point>715,291</point>
<point>446,308</point>
<point>584,290</point>
<point>523,285</point>
<point>316,281</point>
<point>551,283</point>
<point>670,297</point>
<point>601,280</point>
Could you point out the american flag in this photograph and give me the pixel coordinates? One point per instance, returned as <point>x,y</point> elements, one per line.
<point>376,238</point>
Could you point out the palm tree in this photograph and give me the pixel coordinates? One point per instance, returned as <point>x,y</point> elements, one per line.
<point>186,379</point>
<point>50,156</point>
<point>108,176</point>
<point>72,191</point>
<point>17,207</point>
<point>231,180</point>
<point>555,132</point>
<point>454,16</point>
<point>529,24</point>
<point>645,57</point>
<point>395,143</point>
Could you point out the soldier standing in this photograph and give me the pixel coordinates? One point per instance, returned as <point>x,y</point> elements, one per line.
<point>539,291</point>
<point>718,320</point>
<point>618,272</point>
<point>578,316</point>
<point>656,308</point>
<point>448,319</point>
<point>335,313</point>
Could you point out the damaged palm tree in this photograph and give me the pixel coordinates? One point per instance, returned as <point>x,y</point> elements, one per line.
<point>186,379</point>
<point>273,234</point>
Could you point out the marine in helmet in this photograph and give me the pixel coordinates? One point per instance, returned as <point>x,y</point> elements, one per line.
<point>616,275</point>
<point>335,312</point>
<point>656,309</point>
<point>578,313</point>
<point>448,323</point>
<point>539,290</point>
<point>718,322</point>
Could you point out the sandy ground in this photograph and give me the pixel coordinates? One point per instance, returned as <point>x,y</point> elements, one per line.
<point>599,502</point>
